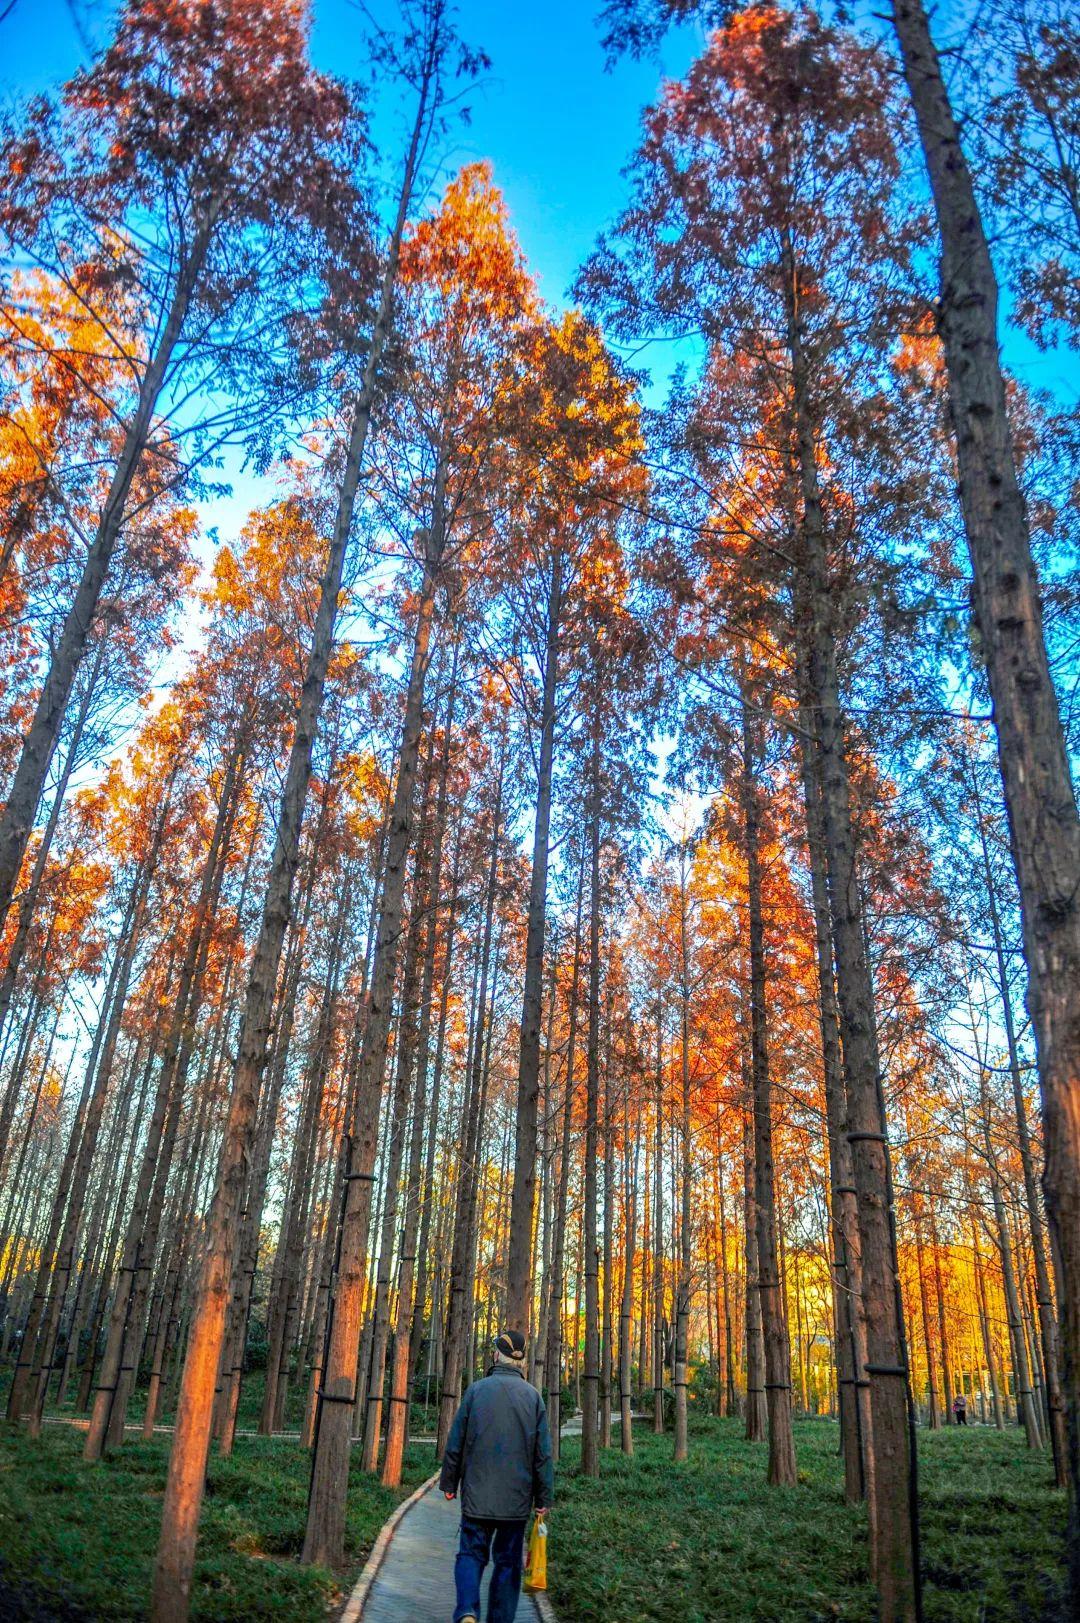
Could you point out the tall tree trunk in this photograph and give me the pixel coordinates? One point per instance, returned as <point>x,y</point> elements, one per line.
<point>626,1313</point>
<point>1025,1397</point>
<point>427,1191</point>
<point>590,1461</point>
<point>110,1399</point>
<point>27,902</point>
<point>984,1327</point>
<point>658,1237</point>
<point>558,1259</point>
<point>284,1308</point>
<point>405,1348</point>
<point>854,1385</point>
<point>459,1303</point>
<point>324,1540</point>
<point>894,1556</point>
<point>255,1198</point>
<point>943,1329</point>
<point>606,1349</point>
<point>729,1352</point>
<point>75,1175</point>
<point>756,1407</point>
<point>1048,1329</point>
<point>519,1256</point>
<point>1039,798</point>
<point>426,1184</point>
<point>40,742</point>
<point>399,1114</point>
<point>191,1440</point>
<point>683,1285</point>
<point>781,1468</point>
<point>933,1413</point>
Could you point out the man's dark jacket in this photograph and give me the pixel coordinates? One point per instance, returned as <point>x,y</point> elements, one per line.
<point>499,1449</point>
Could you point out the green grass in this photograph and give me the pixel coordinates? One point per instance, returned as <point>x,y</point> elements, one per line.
<point>709,1542</point>
<point>77,1541</point>
<point>703,1542</point>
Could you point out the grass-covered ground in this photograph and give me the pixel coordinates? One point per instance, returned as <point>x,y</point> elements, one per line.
<point>704,1542</point>
<point>708,1542</point>
<point>77,1541</point>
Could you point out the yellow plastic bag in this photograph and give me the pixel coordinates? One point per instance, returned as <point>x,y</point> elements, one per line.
<point>536,1563</point>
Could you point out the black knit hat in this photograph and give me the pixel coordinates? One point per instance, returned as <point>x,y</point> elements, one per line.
<point>511,1344</point>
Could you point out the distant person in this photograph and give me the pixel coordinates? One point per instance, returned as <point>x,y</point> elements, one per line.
<point>499,1454</point>
<point>959,1409</point>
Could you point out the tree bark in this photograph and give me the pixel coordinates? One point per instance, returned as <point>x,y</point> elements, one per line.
<point>781,1467</point>
<point>40,742</point>
<point>519,1257</point>
<point>1039,798</point>
<point>27,902</point>
<point>626,1314</point>
<point>558,1258</point>
<point>683,1286</point>
<point>1048,1329</point>
<point>459,1305</point>
<point>191,1440</point>
<point>894,1558</point>
<point>854,1385</point>
<point>324,1541</point>
<point>756,1408</point>
<point>590,1460</point>
<point>140,1242</point>
<point>1025,1397</point>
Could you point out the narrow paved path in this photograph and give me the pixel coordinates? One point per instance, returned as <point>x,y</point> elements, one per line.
<point>415,1582</point>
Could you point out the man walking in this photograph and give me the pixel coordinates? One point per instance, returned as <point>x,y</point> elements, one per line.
<point>499,1454</point>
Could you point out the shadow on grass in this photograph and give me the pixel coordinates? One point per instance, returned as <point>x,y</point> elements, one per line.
<point>709,1542</point>
<point>77,1541</point>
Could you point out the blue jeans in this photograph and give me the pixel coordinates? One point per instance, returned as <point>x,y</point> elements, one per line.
<point>503,1541</point>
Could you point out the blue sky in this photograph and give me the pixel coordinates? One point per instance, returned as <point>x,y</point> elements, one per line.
<point>556,127</point>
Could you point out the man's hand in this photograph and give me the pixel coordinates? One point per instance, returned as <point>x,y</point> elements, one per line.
<point>541,1510</point>
<point>449,1495</point>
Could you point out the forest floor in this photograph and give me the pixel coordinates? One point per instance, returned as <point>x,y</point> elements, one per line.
<point>708,1542</point>
<point>702,1542</point>
<point>77,1541</point>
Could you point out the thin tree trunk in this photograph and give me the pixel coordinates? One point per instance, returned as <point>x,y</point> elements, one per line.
<point>1048,1328</point>
<point>26,789</point>
<point>854,1385</point>
<point>683,1287</point>
<point>590,1461</point>
<point>606,1364</point>
<point>984,1326</point>
<point>894,1556</point>
<point>658,1245</point>
<point>194,1419</point>
<point>781,1467</point>
<point>558,1260</point>
<point>27,902</point>
<point>1025,1397</point>
<point>107,1416</point>
<point>626,1315</point>
<point>756,1408</point>
<point>324,1540</point>
<point>729,1351</point>
<point>934,1417</point>
<point>399,1114</point>
<point>519,1256</point>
